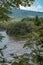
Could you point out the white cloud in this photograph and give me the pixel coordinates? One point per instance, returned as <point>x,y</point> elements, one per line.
<point>38,8</point>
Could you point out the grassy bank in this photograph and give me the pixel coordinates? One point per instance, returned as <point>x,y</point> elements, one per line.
<point>23,28</point>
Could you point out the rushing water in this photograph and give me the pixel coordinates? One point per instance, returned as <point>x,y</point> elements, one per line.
<point>13,46</point>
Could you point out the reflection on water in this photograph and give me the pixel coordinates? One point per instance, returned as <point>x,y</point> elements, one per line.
<point>13,46</point>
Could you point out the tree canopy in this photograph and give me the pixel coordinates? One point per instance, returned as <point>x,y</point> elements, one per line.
<point>5,6</point>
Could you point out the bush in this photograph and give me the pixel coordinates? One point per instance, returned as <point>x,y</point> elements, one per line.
<point>20,28</point>
<point>37,23</point>
<point>2,27</point>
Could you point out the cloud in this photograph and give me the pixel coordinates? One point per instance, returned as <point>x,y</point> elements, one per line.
<point>37,8</point>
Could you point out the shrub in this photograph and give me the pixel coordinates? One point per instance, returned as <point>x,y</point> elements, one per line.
<point>20,28</point>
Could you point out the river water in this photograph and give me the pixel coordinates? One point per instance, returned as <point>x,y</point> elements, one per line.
<point>13,46</point>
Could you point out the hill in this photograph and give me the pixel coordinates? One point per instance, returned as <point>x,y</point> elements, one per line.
<point>17,13</point>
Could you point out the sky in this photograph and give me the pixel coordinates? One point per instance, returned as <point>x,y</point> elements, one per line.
<point>36,6</point>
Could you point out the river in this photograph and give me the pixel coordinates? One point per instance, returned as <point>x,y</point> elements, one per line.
<point>13,46</point>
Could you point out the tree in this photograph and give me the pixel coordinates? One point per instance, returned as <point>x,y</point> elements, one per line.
<point>5,6</point>
<point>37,22</point>
<point>36,18</point>
<point>36,46</point>
<point>3,60</point>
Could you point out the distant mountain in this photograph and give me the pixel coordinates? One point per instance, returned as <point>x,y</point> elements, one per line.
<point>17,13</point>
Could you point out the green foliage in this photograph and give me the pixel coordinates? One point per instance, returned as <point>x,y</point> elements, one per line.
<point>22,60</point>
<point>4,10</point>
<point>27,19</point>
<point>2,25</point>
<point>15,63</point>
<point>23,2</point>
<point>23,29</point>
<point>36,18</point>
<point>1,37</point>
<point>20,28</point>
<point>3,60</point>
<point>36,45</point>
<point>37,22</point>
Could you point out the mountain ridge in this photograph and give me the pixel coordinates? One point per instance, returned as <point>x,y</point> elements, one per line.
<point>18,13</point>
